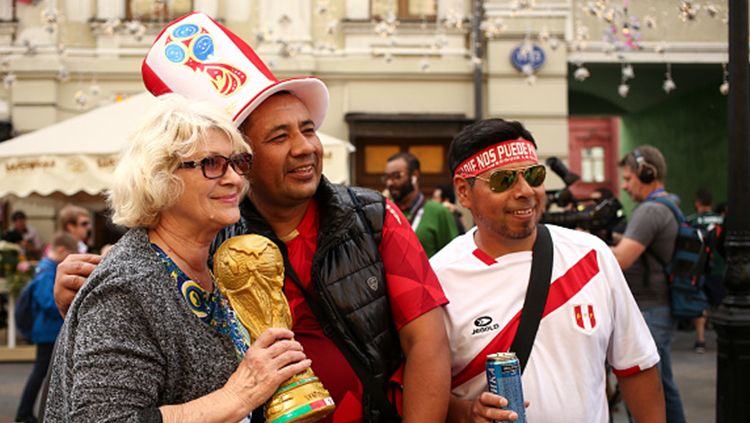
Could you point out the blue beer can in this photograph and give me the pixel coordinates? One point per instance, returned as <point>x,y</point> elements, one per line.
<point>504,379</point>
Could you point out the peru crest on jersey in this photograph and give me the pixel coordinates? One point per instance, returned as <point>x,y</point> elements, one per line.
<point>585,317</point>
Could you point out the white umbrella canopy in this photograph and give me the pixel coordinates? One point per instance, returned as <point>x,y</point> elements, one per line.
<point>80,153</point>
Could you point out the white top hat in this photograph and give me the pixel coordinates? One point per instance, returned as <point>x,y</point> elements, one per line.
<point>198,58</point>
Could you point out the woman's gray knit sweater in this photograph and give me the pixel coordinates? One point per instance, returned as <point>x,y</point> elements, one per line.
<point>131,344</point>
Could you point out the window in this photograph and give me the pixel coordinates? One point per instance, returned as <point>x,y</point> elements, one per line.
<point>592,164</point>
<point>379,136</point>
<point>7,10</point>
<point>404,9</point>
<point>150,10</point>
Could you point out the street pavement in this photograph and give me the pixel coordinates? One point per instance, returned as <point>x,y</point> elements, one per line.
<point>695,375</point>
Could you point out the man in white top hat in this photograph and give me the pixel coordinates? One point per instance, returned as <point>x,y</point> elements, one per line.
<point>366,305</point>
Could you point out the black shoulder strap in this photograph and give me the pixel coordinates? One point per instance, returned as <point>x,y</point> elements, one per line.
<point>370,386</point>
<point>536,295</point>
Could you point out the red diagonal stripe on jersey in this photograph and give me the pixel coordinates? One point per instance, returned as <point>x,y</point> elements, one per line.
<point>562,290</point>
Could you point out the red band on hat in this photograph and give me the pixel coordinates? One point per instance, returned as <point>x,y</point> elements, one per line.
<point>501,154</point>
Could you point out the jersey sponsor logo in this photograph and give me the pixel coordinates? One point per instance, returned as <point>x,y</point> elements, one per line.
<point>585,317</point>
<point>484,324</point>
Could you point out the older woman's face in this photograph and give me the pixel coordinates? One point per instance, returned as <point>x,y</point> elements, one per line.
<point>208,204</point>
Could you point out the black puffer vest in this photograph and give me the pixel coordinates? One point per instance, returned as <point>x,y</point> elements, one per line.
<point>347,274</point>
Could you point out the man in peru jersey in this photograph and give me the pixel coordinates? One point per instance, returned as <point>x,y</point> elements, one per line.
<point>589,318</point>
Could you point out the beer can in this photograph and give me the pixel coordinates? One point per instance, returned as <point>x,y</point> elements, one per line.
<point>504,379</point>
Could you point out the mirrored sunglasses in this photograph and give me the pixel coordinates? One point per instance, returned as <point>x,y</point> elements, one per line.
<point>502,180</point>
<point>214,167</point>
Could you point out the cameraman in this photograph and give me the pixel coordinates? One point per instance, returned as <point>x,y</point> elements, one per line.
<point>649,241</point>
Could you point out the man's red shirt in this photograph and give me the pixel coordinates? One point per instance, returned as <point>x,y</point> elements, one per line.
<point>413,289</point>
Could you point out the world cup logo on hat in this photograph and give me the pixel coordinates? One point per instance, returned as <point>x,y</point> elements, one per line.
<point>192,46</point>
<point>195,49</point>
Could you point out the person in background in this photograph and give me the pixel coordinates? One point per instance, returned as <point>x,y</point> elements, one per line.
<point>47,320</point>
<point>24,235</point>
<point>445,195</point>
<point>150,337</point>
<point>434,225</point>
<point>76,221</point>
<point>710,224</point>
<point>648,242</point>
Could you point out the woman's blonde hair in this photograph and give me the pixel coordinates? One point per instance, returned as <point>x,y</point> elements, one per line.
<point>144,180</point>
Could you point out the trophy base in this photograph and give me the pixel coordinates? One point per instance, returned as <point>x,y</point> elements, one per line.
<point>302,401</point>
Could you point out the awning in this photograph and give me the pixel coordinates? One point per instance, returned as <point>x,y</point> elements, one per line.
<point>80,153</point>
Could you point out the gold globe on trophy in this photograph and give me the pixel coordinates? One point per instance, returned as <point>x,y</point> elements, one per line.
<point>249,271</point>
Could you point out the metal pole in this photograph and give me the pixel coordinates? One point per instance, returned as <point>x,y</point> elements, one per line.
<point>476,39</point>
<point>732,319</point>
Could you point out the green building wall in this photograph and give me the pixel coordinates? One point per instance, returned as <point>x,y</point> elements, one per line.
<point>691,132</point>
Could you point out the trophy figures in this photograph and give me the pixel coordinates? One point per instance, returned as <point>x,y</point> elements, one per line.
<point>249,271</point>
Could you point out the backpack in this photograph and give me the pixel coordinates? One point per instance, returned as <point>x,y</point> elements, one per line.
<point>686,271</point>
<point>24,313</point>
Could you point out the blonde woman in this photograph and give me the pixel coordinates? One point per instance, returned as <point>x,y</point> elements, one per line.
<point>149,337</point>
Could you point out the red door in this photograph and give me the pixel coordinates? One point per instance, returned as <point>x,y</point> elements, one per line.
<point>593,153</point>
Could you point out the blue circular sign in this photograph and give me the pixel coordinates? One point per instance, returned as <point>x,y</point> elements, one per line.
<point>527,54</point>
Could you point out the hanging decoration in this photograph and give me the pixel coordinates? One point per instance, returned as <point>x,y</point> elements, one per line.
<point>424,65</point>
<point>623,30</point>
<point>668,86</point>
<point>622,34</point>
<point>623,89</point>
<point>581,73</point>
<point>627,72</point>
<point>110,25</point>
<point>63,74</point>
<point>80,99</point>
<point>50,19</point>
<point>688,11</point>
<point>712,10</point>
<point>492,27</point>
<point>9,79</point>
<point>387,26</point>
<point>454,19</point>
<point>94,88</point>
<point>724,87</point>
<point>135,29</point>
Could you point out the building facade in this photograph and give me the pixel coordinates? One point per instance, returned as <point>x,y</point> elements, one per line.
<point>589,78</point>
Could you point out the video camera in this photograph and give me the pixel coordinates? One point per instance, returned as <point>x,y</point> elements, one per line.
<point>598,215</point>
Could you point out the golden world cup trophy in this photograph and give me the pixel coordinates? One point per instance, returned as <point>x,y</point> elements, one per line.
<point>249,270</point>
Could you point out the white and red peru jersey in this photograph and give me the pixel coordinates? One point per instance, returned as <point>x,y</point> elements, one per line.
<point>590,318</point>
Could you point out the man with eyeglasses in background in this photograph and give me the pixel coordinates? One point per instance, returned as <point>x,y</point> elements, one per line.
<point>76,221</point>
<point>434,224</point>
<point>589,316</point>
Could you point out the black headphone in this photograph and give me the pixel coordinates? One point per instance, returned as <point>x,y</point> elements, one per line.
<point>645,171</point>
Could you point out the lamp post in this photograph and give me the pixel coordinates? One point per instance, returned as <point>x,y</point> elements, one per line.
<point>476,52</point>
<point>732,319</point>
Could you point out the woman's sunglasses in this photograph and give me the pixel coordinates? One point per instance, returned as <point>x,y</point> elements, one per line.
<point>214,167</point>
<point>502,180</point>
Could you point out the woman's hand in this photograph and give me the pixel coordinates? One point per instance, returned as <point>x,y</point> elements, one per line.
<point>273,358</point>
